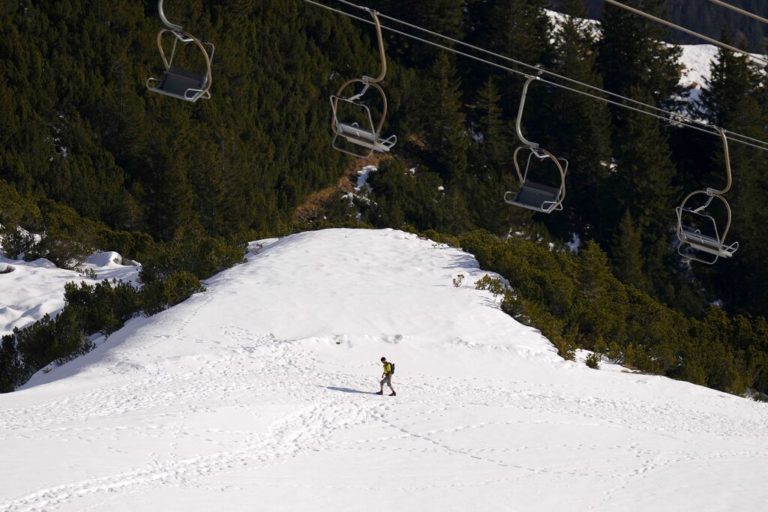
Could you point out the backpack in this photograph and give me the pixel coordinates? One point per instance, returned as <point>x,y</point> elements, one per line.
<point>392,365</point>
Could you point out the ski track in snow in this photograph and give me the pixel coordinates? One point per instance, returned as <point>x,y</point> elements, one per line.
<point>323,413</point>
<point>199,402</point>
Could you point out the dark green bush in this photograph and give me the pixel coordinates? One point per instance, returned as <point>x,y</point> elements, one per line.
<point>103,307</point>
<point>51,340</point>
<point>180,286</point>
<point>11,366</point>
<point>16,242</point>
<point>577,301</point>
<point>193,251</point>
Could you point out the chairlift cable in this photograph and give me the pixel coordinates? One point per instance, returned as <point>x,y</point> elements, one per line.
<point>685,30</point>
<point>534,68</point>
<point>541,71</point>
<point>663,115</point>
<point>740,11</point>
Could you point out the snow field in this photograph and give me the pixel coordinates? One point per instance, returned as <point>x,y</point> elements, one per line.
<point>256,395</point>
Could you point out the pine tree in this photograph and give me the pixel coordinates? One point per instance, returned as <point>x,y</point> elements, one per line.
<point>579,126</point>
<point>636,63</point>
<point>519,29</point>
<point>731,101</point>
<point>492,134</point>
<point>490,161</point>
<point>603,303</point>
<point>632,53</point>
<point>441,120</point>
<point>643,186</point>
<point>441,16</point>
<point>627,254</point>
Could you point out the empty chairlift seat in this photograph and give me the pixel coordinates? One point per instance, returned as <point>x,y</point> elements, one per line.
<point>535,196</point>
<point>177,82</point>
<point>181,84</point>
<point>698,233</point>
<point>701,236</point>
<point>708,244</point>
<point>353,126</point>
<point>359,136</point>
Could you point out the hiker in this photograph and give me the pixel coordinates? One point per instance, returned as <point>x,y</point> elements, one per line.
<point>389,369</point>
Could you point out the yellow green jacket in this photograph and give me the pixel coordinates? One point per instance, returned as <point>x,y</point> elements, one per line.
<point>387,368</point>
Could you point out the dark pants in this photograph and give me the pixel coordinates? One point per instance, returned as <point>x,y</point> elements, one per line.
<point>388,381</point>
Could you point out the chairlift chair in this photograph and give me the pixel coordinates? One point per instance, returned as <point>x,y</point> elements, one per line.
<point>537,196</point>
<point>362,132</point>
<point>699,233</point>
<point>533,195</point>
<point>177,82</point>
<point>352,124</point>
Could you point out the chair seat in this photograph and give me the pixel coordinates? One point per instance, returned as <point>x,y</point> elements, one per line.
<point>536,196</point>
<point>177,82</point>
<point>365,138</point>
<point>705,243</point>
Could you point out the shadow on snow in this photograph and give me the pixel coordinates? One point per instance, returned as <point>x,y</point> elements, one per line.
<point>350,390</point>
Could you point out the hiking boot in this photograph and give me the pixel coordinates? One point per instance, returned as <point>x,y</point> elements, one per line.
<point>393,394</point>
<point>380,393</point>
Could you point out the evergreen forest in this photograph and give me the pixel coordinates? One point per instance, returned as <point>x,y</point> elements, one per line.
<point>90,159</point>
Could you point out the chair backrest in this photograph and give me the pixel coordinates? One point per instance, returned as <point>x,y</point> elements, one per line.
<point>533,195</point>
<point>180,83</point>
<point>701,237</point>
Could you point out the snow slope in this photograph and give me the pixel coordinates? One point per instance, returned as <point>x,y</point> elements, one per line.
<point>256,395</point>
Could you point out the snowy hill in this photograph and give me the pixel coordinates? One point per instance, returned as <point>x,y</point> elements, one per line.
<point>257,395</point>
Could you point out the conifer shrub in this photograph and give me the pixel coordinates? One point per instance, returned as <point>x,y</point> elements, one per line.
<point>11,366</point>
<point>18,216</point>
<point>67,238</point>
<point>16,209</point>
<point>134,245</point>
<point>103,307</point>
<point>49,340</point>
<point>193,251</point>
<point>180,286</point>
<point>600,347</point>
<point>441,238</point>
<point>565,347</point>
<point>615,352</point>
<point>153,297</point>
<point>492,284</point>
<point>16,242</point>
<point>593,361</point>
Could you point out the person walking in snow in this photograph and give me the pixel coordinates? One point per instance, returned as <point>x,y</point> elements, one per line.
<point>389,369</point>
